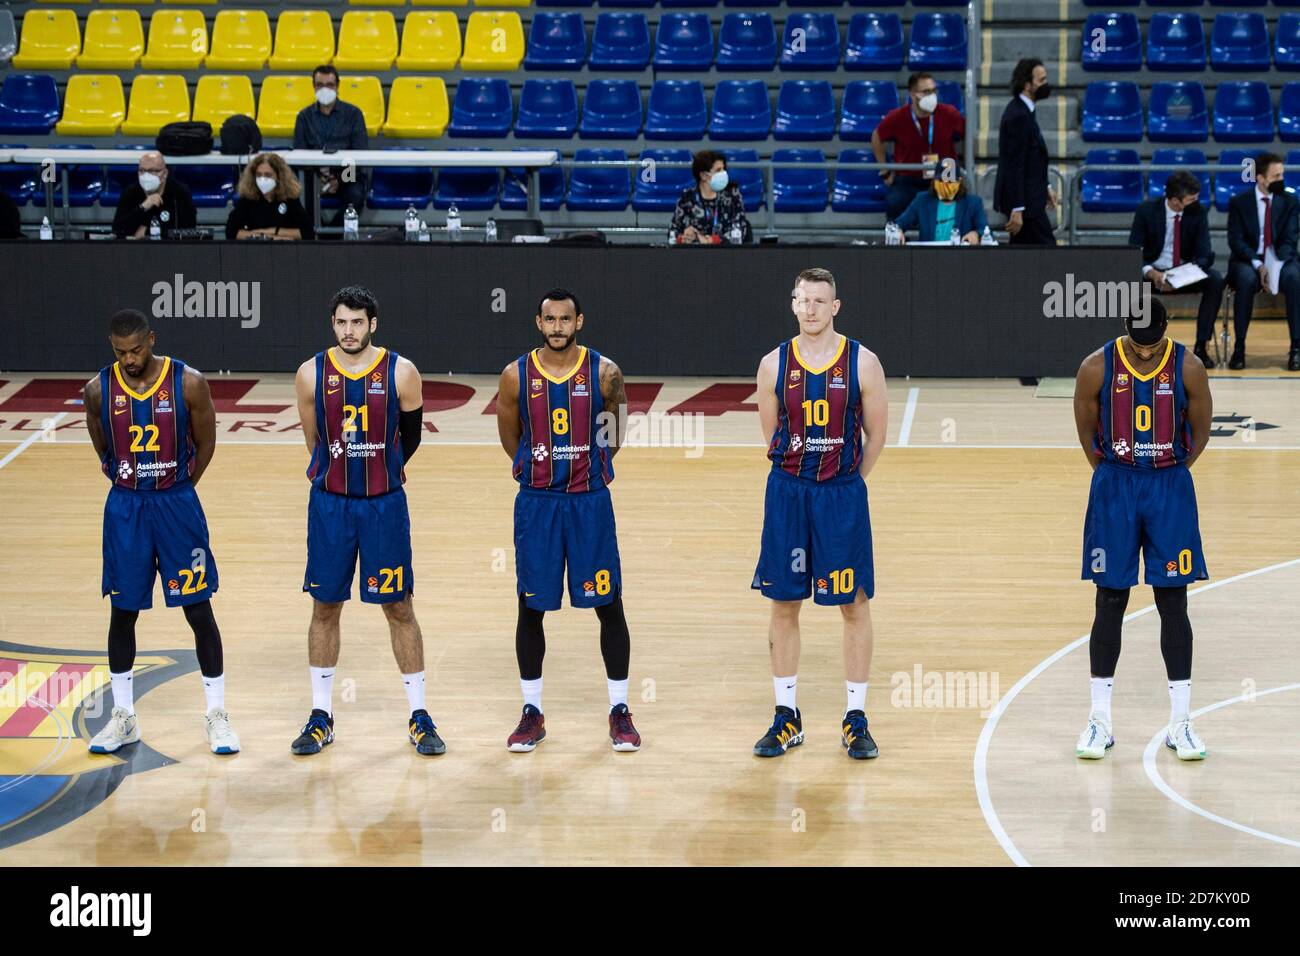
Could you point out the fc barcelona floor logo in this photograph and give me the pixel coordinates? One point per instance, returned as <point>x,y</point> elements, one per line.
<point>52,702</point>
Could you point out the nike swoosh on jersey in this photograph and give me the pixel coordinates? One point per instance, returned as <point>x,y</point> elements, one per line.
<point>330,391</point>
<point>1121,390</point>
<point>120,411</point>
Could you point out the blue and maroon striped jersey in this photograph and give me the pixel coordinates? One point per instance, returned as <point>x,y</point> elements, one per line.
<point>358,438</point>
<point>149,443</point>
<point>562,448</point>
<point>1143,420</point>
<point>819,433</point>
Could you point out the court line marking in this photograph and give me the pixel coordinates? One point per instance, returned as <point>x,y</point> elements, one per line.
<point>50,424</point>
<point>905,431</point>
<point>990,725</point>
<point>1153,772</point>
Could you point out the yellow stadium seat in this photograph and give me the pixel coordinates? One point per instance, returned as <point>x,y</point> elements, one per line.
<point>51,40</point>
<point>241,40</point>
<point>132,3</point>
<point>69,1</point>
<point>493,41</point>
<point>178,40</point>
<point>365,93</point>
<point>417,107</point>
<point>430,41</point>
<point>114,41</point>
<point>156,100</point>
<point>503,3</point>
<point>439,3</point>
<point>192,3</point>
<point>304,39</point>
<point>367,40</point>
<point>93,105</point>
<point>280,101</point>
<point>377,3</point>
<point>220,97</point>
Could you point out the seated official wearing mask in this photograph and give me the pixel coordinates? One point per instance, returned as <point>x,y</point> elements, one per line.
<point>946,206</point>
<point>153,196</point>
<point>268,205</point>
<point>712,211</point>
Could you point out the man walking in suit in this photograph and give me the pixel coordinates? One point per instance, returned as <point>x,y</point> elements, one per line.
<point>1021,191</point>
<point>1262,218</point>
<point>1174,231</point>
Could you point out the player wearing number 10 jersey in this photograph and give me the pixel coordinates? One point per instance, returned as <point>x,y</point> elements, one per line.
<point>817,394</point>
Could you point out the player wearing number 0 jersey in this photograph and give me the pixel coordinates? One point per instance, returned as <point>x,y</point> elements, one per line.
<point>817,395</point>
<point>154,429</point>
<point>361,407</point>
<point>560,414</point>
<point>1143,413</point>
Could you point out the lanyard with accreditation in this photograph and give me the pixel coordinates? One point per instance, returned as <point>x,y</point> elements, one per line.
<point>930,157</point>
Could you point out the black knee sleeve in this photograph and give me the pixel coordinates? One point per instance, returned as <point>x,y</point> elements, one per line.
<point>1104,644</point>
<point>1175,632</point>
<point>121,640</point>
<point>615,643</point>
<point>207,638</point>
<point>530,641</point>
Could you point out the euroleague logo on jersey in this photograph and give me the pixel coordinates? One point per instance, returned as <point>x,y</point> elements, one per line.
<point>1163,385</point>
<point>579,384</point>
<point>377,382</point>
<point>837,378</point>
<point>822,586</point>
<point>588,588</point>
<point>173,587</point>
<point>372,585</point>
<point>164,402</point>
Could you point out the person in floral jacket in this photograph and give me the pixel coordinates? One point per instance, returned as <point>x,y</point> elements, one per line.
<point>711,211</point>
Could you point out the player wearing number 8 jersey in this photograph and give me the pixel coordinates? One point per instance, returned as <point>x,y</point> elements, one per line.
<point>1143,415</point>
<point>361,407</point>
<point>817,395</point>
<point>560,414</point>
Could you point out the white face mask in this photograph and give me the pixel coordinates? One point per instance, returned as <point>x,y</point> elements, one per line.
<point>326,96</point>
<point>266,184</point>
<point>929,102</point>
<point>149,182</point>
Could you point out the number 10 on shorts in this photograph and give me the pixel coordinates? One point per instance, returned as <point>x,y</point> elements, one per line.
<point>841,582</point>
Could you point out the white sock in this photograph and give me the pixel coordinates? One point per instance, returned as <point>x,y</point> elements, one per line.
<point>532,691</point>
<point>617,691</point>
<point>785,690</point>
<point>857,696</point>
<point>214,692</point>
<point>1101,688</point>
<point>1180,700</point>
<point>124,690</point>
<point>414,690</point>
<point>322,689</point>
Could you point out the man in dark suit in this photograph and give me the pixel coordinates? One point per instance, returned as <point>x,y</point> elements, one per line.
<point>1264,217</point>
<point>1021,191</point>
<point>1174,231</point>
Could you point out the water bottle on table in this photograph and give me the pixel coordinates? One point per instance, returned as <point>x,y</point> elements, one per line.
<point>350,231</point>
<point>490,230</point>
<point>412,225</point>
<point>155,230</point>
<point>47,232</point>
<point>453,223</point>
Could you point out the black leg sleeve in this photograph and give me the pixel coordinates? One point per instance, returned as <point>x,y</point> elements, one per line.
<point>1175,632</point>
<point>207,638</point>
<point>1103,646</point>
<point>615,643</point>
<point>121,640</point>
<point>530,641</point>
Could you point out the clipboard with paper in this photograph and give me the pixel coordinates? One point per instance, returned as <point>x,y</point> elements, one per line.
<point>1189,273</point>
<point>1273,266</point>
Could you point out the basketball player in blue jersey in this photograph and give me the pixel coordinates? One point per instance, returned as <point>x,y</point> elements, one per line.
<point>817,395</point>
<point>1143,414</point>
<point>560,414</point>
<point>361,408</point>
<point>154,429</point>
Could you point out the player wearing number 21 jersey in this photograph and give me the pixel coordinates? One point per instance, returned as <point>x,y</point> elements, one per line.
<point>823,408</point>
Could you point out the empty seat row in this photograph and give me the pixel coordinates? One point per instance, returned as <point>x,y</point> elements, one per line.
<point>1178,113</point>
<point>1176,41</point>
<point>241,40</point>
<point>1120,191</point>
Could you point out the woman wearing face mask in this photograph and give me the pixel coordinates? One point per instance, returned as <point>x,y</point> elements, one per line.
<point>153,196</point>
<point>710,212</point>
<point>947,205</point>
<point>268,203</point>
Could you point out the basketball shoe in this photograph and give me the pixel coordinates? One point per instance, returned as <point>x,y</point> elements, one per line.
<point>222,739</point>
<point>856,738</point>
<point>786,731</point>
<point>122,729</point>
<point>424,734</point>
<point>1182,739</point>
<point>316,734</point>
<point>622,735</point>
<point>1095,740</point>
<point>530,732</point>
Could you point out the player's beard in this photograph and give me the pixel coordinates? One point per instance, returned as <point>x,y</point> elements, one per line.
<point>550,343</point>
<point>357,349</point>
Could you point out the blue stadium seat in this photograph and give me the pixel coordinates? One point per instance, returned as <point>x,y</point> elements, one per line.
<point>811,42</point>
<point>746,41</point>
<point>1178,113</point>
<point>952,93</point>
<point>566,3</point>
<point>1181,157</point>
<point>684,41</point>
<point>865,104</point>
<point>396,187</point>
<point>19,181</point>
<point>877,3</point>
<point>676,110</point>
<point>1243,113</point>
<point>741,110</point>
<point>611,110</point>
<point>937,3</point>
<point>748,181</point>
<point>875,42</point>
<point>1229,184</point>
<point>595,188</point>
<point>660,194</point>
<point>556,41</point>
<point>858,190</point>
<point>1288,113</point>
<point>938,42</point>
<point>620,41</point>
<point>688,3</point>
<point>1239,41</point>
<point>799,190</point>
<point>85,181</point>
<point>116,179</point>
<point>29,103</point>
<point>1292,175</point>
<point>482,107</point>
<point>751,4</point>
<point>1112,112</point>
<point>469,187</point>
<point>1106,191</point>
<point>1111,41</point>
<point>550,186</point>
<point>1176,42</point>
<point>547,109</point>
<point>212,187</point>
<point>805,109</point>
<point>1184,4</point>
<point>1286,49</point>
<point>639,4</point>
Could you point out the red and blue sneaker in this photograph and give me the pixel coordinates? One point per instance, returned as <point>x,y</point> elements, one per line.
<point>622,735</point>
<point>530,732</point>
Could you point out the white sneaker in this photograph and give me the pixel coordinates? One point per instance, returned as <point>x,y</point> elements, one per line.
<point>1095,739</point>
<point>1182,739</point>
<point>221,738</point>
<point>122,729</point>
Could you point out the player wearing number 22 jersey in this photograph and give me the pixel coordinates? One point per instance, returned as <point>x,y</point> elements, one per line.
<point>361,407</point>
<point>560,411</point>
<point>818,395</point>
<point>154,429</point>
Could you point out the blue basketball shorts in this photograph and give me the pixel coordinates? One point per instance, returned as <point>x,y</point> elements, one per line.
<point>557,529</point>
<point>378,529</point>
<point>156,532</point>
